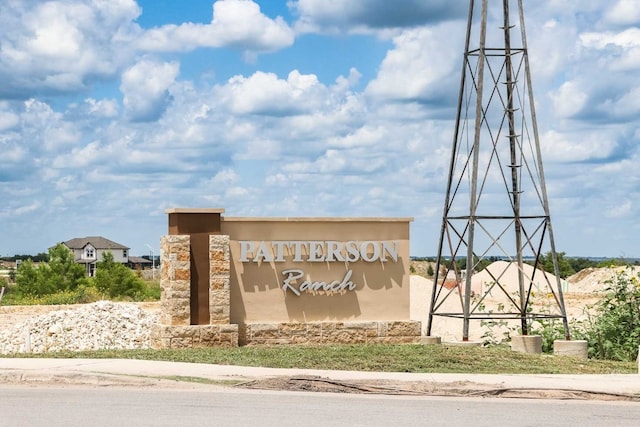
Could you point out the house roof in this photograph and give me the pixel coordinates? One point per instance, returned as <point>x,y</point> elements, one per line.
<point>139,260</point>
<point>97,242</point>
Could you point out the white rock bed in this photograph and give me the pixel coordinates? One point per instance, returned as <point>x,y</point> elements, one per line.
<point>103,325</point>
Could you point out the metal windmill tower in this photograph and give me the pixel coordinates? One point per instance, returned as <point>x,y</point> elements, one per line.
<point>496,204</point>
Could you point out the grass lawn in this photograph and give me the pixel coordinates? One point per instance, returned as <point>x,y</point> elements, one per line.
<point>376,357</point>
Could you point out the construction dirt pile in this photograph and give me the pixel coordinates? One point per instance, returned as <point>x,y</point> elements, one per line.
<point>595,280</point>
<point>582,291</point>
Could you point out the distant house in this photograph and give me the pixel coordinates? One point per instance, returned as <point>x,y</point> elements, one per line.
<point>140,263</point>
<point>89,250</point>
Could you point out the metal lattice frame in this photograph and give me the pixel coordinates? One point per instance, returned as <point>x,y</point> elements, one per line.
<point>496,203</point>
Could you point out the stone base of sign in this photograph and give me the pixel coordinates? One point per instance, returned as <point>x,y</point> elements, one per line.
<point>430,340</point>
<point>575,348</point>
<point>391,332</point>
<point>531,344</point>
<point>193,336</point>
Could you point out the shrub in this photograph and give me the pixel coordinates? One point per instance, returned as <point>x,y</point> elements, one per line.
<point>61,273</point>
<point>151,291</point>
<point>430,271</point>
<point>114,279</point>
<point>81,295</point>
<point>30,281</point>
<point>551,330</point>
<point>62,281</point>
<point>614,333</point>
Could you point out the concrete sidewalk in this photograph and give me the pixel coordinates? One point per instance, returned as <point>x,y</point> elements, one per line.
<point>148,373</point>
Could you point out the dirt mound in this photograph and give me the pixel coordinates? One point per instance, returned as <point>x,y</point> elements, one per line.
<point>594,280</point>
<point>420,268</point>
<point>581,275</point>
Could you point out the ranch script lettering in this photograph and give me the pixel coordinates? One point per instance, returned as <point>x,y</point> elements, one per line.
<point>318,251</point>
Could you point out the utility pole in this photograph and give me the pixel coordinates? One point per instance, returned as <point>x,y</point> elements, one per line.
<point>153,262</point>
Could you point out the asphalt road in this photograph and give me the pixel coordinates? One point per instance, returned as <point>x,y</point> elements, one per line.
<point>206,406</point>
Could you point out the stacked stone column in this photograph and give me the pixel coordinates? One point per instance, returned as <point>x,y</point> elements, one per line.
<point>219,280</point>
<point>175,280</point>
<point>174,329</point>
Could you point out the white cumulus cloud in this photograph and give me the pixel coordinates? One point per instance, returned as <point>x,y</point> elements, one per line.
<point>624,12</point>
<point>418,67</point>
<point>576,146</point>
<point>63,46</point>
<point>235,23</point>
<point>265,93</point>
<point>569,99</point>
<point>145,87</point>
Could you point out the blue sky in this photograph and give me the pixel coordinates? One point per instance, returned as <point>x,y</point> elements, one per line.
<point>113,111</point>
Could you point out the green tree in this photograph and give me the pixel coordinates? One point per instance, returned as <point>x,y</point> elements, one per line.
<point>61,273</point>
<point>39,257</point>
<point>430,271</point>
<point>29,280</point>
<point>479,264</point>
<point>579,264</point>
<point>115,279</point>
<point>564,266</point>
<point>620,262</point>
<point>62,270</point>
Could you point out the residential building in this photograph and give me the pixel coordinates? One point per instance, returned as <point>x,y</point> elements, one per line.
<point>89,251</point>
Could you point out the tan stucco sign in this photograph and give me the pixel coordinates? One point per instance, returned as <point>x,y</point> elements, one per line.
<point>316,269</point>
<point>229,281</point>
